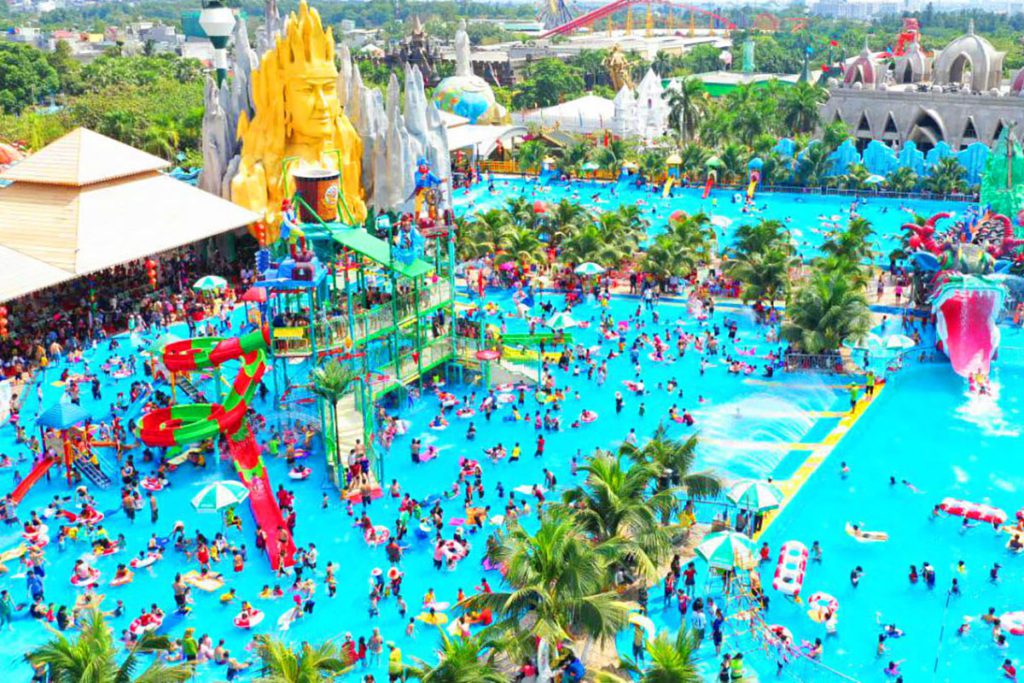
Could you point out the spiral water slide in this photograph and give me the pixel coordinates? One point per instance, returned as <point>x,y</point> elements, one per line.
<point>180,425</point>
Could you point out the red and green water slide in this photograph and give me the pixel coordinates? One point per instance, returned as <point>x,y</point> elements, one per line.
<point>180,425</point>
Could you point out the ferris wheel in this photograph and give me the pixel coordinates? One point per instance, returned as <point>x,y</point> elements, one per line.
<point>555,12</point>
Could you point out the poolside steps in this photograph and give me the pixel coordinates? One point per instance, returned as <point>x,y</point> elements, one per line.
<point>93,473</point>
<point>190,390</point>
<point>509,372</point>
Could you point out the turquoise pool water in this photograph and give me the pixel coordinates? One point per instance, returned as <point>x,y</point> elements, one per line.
<point>808,216</point>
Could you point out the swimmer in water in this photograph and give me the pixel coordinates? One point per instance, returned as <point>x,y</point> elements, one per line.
<point>844,470</point>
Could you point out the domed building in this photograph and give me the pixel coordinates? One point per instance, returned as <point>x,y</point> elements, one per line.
<point>957,97</point>
<point>466,94</point>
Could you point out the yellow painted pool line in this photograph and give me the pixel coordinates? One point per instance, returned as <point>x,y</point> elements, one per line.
<point>790,487</point>
<point>765,383</point>
<point>762,445</point>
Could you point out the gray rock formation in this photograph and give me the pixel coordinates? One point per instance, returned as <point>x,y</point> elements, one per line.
<point>223,105</point>
<point>394,137</point>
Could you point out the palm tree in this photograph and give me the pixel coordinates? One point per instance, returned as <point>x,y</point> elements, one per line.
<point>947,177</point>
<point>161,137</point>
<point>764,274</point>
<point>835,134</point>
<point>903,179</point>
<point>672,463</point>
<point>652,165</point>
<point>522,246</point>
<point>530,155</point>
<point>734,158</point>
<point>672,660</point>
<point>566,218</point>
<point>755,237</point>
<point>331,381</point>
<point>852,244</point>
<point>813,164</point>
<point>557,581</point>
<point>93,657</point>
<point>613,505</point>
<point>611,156</point>
<point>311,664</point>
<point>573,158</point>
<point>824,311</point>
<point>687,102</point>
<point>856,177</point>
<point>459,660</point>
<point>662,63</point>
<point>692,158</point>
<point>590,243</point>
<point>800,107</point>
<point>485,233</point>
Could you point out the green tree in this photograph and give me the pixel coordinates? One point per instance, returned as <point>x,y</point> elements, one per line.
<point>764,274</point>
<point>672,660</point>
<point>93,657</point>
<point>522,246</point>
<point>801,105</point>
<point>485,233</point>
<point>331,381</point>
<point>671,464</point>
<point>68,69</point>
<point>702,58</point>
<point>530,154</point>
<point>687,102</point>
<point>557,584</point>
<point>25,77</point>
<point>825,310</point>
<point>613,505</point>
<point>310,664</point>
<point>947,176</point>
<point>459,660</point>
<point>903,179</point>
<point>548,81</point>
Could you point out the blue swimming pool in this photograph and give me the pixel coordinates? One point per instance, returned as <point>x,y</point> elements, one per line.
<point>808,216</point>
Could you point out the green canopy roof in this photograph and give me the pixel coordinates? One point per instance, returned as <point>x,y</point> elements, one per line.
<point>362,242</point>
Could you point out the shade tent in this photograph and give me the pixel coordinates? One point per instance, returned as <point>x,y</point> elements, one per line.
<point>62,416</point>
<point>483,139</point>
<point>86,202</point>
<point>587,114</point>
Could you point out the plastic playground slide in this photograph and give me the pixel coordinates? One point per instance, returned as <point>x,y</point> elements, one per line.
<point>181,425</point>
<point>548,177</point>
<point>668,187</point>
<point>751,188</point>
<point>708,185</point>
<point>29,481</point>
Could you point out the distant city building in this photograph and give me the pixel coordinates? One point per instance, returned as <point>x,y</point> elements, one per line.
<point>858,9</point>
<point>956,96</point>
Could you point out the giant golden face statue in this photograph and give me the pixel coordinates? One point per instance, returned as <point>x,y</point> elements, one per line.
<point>298,123</point>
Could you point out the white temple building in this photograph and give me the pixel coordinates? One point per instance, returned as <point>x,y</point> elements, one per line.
<point>643,114</point>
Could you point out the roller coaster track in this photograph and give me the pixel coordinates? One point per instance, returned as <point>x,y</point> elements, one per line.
<point>619,5</point>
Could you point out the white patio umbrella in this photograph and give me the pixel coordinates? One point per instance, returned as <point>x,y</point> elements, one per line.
<point>899,341</point>
<point>209,283</point>
<point>589,268</point>
<point>220,495</point>
<point>755,495</point>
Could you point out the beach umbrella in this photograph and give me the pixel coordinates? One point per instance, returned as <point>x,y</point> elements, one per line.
<point>868,341</point>
<point>62,416</point>
<point>721,221</point>
<point>644,622</point>
<point>874,179</point>
<point>727,550</point>
<point>899,341</point>
<point>713,162</point>
<point>561,320</point>
<point>256,295</point>
<point>590,166</point>
<point>589,268</point>
<point>209,283</point>
<point>220,495</point>
<point>755,495</point>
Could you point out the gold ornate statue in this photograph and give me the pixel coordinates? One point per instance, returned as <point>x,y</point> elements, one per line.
<point>618,68</point>
<point>298,120</point>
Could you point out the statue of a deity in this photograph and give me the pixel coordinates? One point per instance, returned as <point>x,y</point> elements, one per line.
<point>618,69</point>
<point>299,123</point>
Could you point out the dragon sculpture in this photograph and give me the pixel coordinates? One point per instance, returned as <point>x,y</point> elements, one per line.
<point>970,262</point>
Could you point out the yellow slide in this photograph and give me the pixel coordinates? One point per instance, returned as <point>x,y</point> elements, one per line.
<point>668,187</point>
<point>751,188</point>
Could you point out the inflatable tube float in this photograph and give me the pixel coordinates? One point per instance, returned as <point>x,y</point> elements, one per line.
<point>429,454</point>
<point>791,568</point>
<point>588,416</point>
<point>380,535</point>
<point>138,563</point>
<point>780,633</point>
<point>424,530</point>
<point>439,426</point>
<point>90,517</point>
<point>208,584</point>
<point>151,484</point>
<point>506,398</point>
<point>974,511</point>
<point>1012,622</point>
<point>253,619</point>
<point>820,604</point>
<point>504,387</point>
<point>90,579</point>
<point>127,578</point>
<point>99,551</point>
<point>144,624</point>
<point>41,531</point>
<point>866,536</point>
<point>465,413</point>
<point>447,400</point>
<point>300,474</point>
<point>355,496</point>
<point>454,551</point>
<point>469,468</point>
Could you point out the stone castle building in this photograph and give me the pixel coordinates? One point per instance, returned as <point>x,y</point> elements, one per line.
<point>956,95</point>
